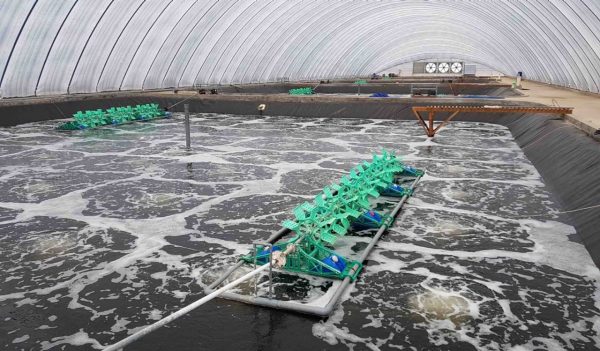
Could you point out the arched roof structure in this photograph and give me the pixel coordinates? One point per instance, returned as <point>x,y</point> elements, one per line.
<point>84,46</point>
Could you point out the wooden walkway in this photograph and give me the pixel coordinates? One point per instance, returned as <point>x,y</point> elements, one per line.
<point>430,129</point>
<point>586,105</point>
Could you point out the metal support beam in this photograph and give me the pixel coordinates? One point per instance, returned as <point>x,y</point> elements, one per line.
<point>430,132</point>
<point>421,120</point>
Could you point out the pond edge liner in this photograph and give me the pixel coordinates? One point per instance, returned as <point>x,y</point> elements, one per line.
<point>568,160</point>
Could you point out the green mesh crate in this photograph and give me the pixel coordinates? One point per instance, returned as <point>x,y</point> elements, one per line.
<point>302,91</point>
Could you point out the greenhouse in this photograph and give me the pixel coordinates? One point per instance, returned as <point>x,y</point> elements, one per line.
<point>300,175</point>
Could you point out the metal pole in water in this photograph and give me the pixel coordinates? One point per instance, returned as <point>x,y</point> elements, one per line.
<point>149,329</point>
<point>188,141</point>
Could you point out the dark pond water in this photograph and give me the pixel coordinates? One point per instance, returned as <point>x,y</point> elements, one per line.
<point>103,232</point>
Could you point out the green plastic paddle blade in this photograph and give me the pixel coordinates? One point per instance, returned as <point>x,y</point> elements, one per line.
<point>307,207</point>
<point>299,213</point>
<point>319,201</point>
<point>345,222</point>
<point>363,202</point>
<point>328,238</point>
<point>346,181</point>
<point>381,183</point>
<point>373,192</point>
<point>338,229</point>
<point>291,225</point>
<point>354,213</point>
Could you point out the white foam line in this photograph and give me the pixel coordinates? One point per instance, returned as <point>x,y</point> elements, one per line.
<point>530,183</point>
<point>413,157</point>
<point>418,204</point>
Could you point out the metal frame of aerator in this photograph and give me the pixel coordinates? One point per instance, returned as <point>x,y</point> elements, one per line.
<point>324,310</point>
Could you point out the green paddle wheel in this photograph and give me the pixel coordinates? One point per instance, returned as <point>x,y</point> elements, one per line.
<point>319,224</point>
<point>115,116</point>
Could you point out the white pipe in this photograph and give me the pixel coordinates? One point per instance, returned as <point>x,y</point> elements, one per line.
<point>147,330</point>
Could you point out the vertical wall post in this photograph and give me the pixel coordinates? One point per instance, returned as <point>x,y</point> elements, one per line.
<point>188,141</point>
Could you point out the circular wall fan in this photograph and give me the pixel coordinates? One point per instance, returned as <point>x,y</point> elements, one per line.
<point>456,67</point>
<point>430,67</point>
<point>443,67</point>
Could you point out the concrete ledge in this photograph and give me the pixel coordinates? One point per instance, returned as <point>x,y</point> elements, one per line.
<point>586,113</point>
<point>586,128</point>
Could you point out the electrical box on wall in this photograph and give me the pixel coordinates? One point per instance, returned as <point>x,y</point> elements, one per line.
<point>439,67</point>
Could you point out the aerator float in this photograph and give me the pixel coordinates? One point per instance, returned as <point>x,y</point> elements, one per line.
<point>340,209</point>
<point>114,116</point>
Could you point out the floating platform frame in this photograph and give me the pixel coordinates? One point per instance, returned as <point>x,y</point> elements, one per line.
<point>333,294</point>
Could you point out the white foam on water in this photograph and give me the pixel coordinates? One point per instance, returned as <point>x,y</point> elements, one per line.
<point>332,334</point>
<point>78,339</point>
<point>20,339</point>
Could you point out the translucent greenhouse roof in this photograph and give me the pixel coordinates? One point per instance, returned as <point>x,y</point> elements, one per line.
<point>84,46</point>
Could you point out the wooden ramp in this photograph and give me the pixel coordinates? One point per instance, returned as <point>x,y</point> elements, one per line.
<point>453,111</point>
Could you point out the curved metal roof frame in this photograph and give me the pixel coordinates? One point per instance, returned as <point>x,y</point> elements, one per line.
<point>79,46</point>
<point>390,27</point>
